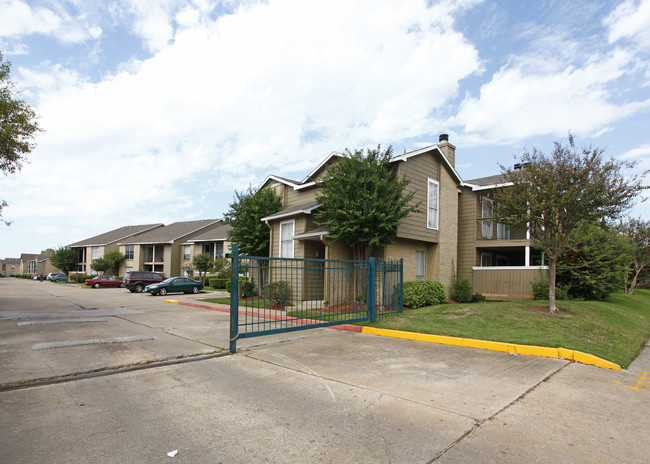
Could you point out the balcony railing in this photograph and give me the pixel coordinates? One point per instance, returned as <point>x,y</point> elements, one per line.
<point>489,229</point>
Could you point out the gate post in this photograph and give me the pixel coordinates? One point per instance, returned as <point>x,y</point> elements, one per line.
<point>234,299</point>
<point>371,303</point>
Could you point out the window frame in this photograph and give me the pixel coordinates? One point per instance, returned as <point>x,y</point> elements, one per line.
<point>282,242</point>
<point>420,264</point>
<point>433,213</point>
<point>129,252</point>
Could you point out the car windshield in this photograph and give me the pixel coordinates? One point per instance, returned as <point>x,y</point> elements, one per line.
<point>170,280</point>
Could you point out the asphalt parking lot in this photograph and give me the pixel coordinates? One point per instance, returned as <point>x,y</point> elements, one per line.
<point>104,375</point>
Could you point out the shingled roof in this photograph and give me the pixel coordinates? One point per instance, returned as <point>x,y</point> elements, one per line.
<point>171,232</point>
<point>115,235</point>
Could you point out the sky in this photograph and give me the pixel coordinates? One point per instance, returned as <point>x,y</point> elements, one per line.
<point>157,111</point>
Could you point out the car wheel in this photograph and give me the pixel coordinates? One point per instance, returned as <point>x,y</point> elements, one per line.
<point>138,288</point>
<point>96,285</point>
<point>163,291</point>
<point>195,289</point>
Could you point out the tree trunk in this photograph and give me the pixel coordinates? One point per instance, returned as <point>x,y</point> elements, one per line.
<point>630,289</point>
<point>552,266</point>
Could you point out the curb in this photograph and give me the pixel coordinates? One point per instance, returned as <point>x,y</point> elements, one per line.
<point>512,348</point>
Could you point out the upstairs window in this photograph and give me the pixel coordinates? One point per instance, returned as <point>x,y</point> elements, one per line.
<point>94,253</point>
<point>128,252</point>
<point>186,253</point>
<point>432,204</point>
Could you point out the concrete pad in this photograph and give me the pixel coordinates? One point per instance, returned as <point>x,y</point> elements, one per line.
<point>232,409</point>
<point>471,382</point>
<point>582,414</point>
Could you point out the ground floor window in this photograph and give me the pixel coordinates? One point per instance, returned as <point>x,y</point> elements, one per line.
<point>420,265</point>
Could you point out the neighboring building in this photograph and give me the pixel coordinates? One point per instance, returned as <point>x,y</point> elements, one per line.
<point>213,242</point>
<point>453,235</point>
<point>96,247</point>
<point>498,260</point>
<point>160,249</point>
<point>10,267</point>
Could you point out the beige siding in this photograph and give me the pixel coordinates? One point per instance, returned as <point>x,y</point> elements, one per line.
<point>418,170</point>
<point>300,197</point>
<point>507,283</point>
<point>467,204</point>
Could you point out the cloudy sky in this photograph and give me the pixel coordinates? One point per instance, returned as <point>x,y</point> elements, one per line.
<point>158,110</point>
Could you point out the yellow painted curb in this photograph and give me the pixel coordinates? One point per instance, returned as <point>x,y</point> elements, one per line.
<point>84,286</point>
<point>171,301</point>
<point>529,350</point>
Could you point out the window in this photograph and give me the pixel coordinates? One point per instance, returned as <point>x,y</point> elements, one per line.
<point>486,212</point>
<point>186,253</point>
<point>286,239</point>
<point>128,252</point>
<point>432,204</point>
<point>420,265</point>
<point>94,253</point>
<point>486,259</point>
<point>218,250</point>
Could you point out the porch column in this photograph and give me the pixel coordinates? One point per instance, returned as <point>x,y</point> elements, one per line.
<point>527,262</point>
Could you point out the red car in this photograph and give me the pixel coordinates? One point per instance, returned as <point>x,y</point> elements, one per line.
<point>104,281</point>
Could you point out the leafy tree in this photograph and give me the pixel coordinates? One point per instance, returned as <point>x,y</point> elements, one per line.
<point>202,263</point>
<point>362,201</point>
<point>100,265</point>
<point>248,232</point>
<point>639,233</point>
<point>18,128</point>
<point>553,194</point>
<point>64,258</point>
<point>595,263</point>
<point>114,260</point>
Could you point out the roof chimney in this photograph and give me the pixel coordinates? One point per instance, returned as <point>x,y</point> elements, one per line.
<point>447,148</point>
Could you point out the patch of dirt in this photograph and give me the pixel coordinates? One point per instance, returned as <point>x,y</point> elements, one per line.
<point>544,310</point>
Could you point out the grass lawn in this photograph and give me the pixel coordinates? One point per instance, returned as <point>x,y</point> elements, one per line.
<point>247,303</point>
<point>615,330</point>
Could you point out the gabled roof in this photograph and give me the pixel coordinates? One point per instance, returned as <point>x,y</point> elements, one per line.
<point>115,235</point>
<point>170,233</point>
<point>405,157</point>
<point>318,232</point>
<point>12,260</point>
<point>213,235</point>
<point>305,208</point>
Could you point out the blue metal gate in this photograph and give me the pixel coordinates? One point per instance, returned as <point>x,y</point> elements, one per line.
<point>274,295</point>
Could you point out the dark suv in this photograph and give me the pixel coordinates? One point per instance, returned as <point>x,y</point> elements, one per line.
<point>136,281</point>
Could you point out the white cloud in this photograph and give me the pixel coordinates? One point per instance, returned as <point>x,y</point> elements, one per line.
<point>19,18</point>
<point>519,102</point>
<point>630,20</point>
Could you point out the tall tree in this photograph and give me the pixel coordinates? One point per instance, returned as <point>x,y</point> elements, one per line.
<point>100,265</point>
<point>114,260</point>
<point>248,232</point>
<point>639,233</point>
<point>362,201</point>
<point>553,194</point>
<point>64,258</point>
<point>18,127</point>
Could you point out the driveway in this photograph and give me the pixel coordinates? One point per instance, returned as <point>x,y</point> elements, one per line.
<point>152,378</point>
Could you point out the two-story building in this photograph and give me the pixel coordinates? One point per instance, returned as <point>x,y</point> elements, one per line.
<point>162,249</point>
<point>96,247</point>
<point>454,234</point>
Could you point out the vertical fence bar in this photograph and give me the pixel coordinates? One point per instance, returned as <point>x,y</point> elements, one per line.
<point>234,299</point>
<point>371,304</point>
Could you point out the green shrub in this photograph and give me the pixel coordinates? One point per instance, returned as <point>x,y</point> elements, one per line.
<point>246,288</point>
<point>217,282</point>
<point>541,289</point>
<point>419,293</point>
<point>478,298</point>
<point>461,291</point>
<point>277,292</point>
<point>78,278</point>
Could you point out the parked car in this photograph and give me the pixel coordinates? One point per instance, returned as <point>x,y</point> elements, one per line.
<point>136,281</point>
<point>175,284</point>
<point>104,281</point>
<point>49,276</point>
<point>58,278</point>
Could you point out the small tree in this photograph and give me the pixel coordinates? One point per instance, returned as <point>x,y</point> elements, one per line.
<point>248,232</point>
<point>100,265</point>
<point>552,194</point>
<point>64,258</point>
<point>18,127</point>
<point>362,201</point>
<point>639,233</point>
<point>202,263</point>
<point>114,260</point>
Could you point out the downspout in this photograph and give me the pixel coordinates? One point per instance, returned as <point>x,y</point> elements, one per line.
<point>270,238</point>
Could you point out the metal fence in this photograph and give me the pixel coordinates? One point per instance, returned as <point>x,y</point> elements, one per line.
<point>274,295</point>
